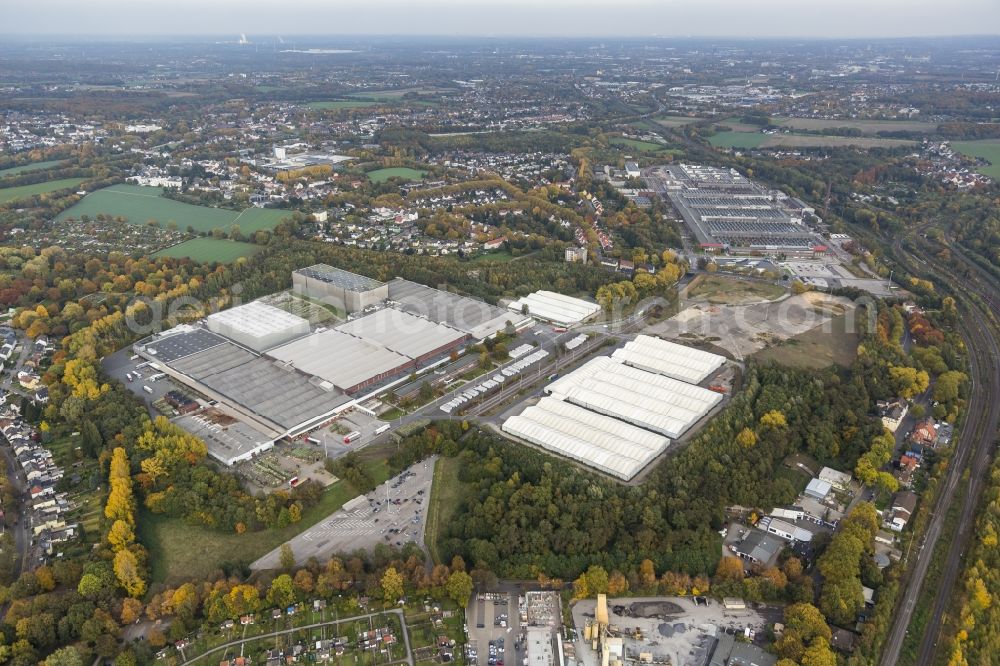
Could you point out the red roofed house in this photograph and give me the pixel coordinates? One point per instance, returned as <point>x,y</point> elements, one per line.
<point>924,433</point>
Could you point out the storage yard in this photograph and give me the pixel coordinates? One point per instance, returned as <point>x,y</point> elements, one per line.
<point>727,212</point>
<point>617,414</point>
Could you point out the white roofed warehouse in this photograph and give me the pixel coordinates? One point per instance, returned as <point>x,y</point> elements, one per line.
<point>614,447</point>
<point>669,359</point>
<point>556,308</point>
<point>257,325</point>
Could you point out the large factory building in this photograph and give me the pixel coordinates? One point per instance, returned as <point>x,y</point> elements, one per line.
<point>348,291</point>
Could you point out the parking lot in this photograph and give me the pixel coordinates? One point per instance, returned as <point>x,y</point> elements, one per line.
<point>392,514</point>
<point>493,641</point>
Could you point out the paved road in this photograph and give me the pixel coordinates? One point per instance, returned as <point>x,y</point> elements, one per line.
<point>396,611</point>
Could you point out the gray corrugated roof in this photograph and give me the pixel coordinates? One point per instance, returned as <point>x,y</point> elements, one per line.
<point>476,318</point>
<point>342,359</point>
<point>261,385</point>
<point>402,332</point>
<point>339,277</point>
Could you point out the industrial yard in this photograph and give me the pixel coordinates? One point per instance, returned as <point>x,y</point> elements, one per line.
<point>680,631</point>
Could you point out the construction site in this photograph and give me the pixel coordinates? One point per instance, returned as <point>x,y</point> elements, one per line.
<point>679,631</point>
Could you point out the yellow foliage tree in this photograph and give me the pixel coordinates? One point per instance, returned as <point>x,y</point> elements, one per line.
<point>127,571</point>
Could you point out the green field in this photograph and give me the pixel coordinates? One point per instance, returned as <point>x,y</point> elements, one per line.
<point>446,494</point>
<point>140,204</point>
<point>206,250</point>
<point>382,175</point>
<point>9,194</point>
<point>725,290</point>
<point>384,95</point>
<point>988,149</point>
<point>179,551</point>
<point>641,146</point>
<point>25,168</point>
<point>737,139</point>
<point>865,126</point>
<point>754,139</point>
<point>338,104</point>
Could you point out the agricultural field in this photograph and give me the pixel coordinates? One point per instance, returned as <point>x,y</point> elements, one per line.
<point>674,121</point>
<point>382,175</point>
<point>25,168</point>
<point>737,139</point>
<point>206,250</point>
<point>724,290</point>
<point>339,104</point>
<point>385,95</point>
<point>9,194</point>
<point>140,204</point>
<point>756,139</point>
<point>827,344</point>
<point>987,149</point>
<point>866,126</point>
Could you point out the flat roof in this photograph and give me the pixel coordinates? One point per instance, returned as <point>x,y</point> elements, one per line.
<point>555,307</point>
<point>342,359</point>
<point>179,342</point>
<point>340,278</point>
<point>261,385</point>
<point>226,442</point>
<point>258,319</point>
<point>477,318</point>
<point>402,332</point>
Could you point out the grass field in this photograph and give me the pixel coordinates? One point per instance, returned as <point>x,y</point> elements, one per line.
<point>641,146</point>
<point>140,204</point>
<point>866,126</point>
<point>745,140</point>
<point>383,95</point>
<point>179,551</point>
<point>987,149</point>
<point>674,121</point>
<point>25,168</point>
<point>9,194</point>
<point>382,175</point>
<point>725,290</point>
<point>338,104</point>
<point>445,496</point>
<point>737,139</point>
<point>209,249</point>
<point>820,347</point>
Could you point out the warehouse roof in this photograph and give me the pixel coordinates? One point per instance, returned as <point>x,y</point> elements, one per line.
<point>557,308</point>
<point>228,442</point>
<point>340,278</point>
<point>402,332</point>
<point>477,318</point>
<point>669,359</point>
<point>179,342</point>
<point>257,319</point>
<point>605,443</point>
<point>635,407</point>
<point>342,359</point>
<point>261,385</point>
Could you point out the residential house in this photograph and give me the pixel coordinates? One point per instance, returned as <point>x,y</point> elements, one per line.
<point>837,479</point>
<point>892,412</point>
<point>924,433</point>
<point>758,547</point>
<point>904,503</point>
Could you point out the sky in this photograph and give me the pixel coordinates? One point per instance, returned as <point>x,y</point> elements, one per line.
<point>529,18</point>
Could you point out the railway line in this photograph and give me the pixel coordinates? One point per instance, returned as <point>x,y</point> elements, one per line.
<point>974,452</point>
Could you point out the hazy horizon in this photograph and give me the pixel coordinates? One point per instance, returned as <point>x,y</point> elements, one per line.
<point>823,19</point>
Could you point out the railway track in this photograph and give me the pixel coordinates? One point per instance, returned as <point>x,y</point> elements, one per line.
<point>974,452</point>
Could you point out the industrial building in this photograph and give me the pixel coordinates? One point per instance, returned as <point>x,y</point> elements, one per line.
<point>726,211</point>
<point>555,308</point>
<point>350,363</point>
<point>669,359</point>
<point>271,398</point>
<point>610,445</point>
<point>414,337</point>
<point>480,320</point>
<point>257,325</point>
<point>617,417</point>
<point>348,291</point>
<point>229,441</point>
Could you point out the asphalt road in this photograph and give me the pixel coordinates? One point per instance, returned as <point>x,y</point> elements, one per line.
<point>973,452</point>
